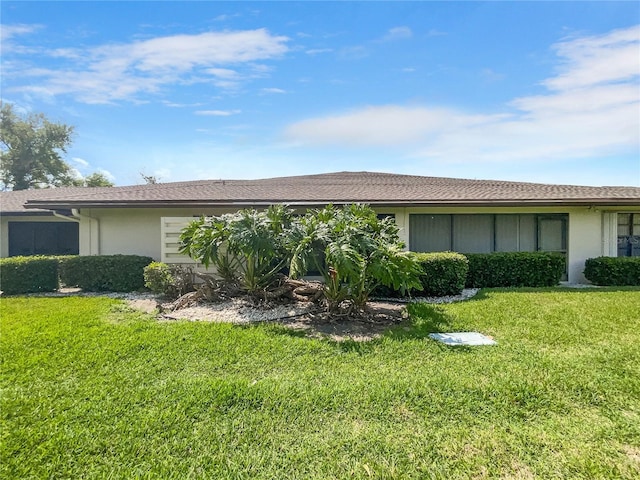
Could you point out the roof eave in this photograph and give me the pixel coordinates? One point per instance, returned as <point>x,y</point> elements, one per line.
<point>23,213</point>
<point>68,205</point>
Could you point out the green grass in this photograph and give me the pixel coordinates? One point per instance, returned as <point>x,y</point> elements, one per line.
<point>92,390</point>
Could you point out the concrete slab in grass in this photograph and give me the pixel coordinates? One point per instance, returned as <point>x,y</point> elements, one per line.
<point>462,338</point>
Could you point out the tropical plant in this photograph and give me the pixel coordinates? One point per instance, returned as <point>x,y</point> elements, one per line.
<point>207,241</point>
<point>250,247</point>
<point>355,252</point>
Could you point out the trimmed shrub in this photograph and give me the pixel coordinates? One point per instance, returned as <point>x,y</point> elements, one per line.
<point>28,274</point>
<point>157,277</point>
<point>514,269</point>
<point>613,270</point>
<point>169,280</point>
<point>444,273</point>
<point>105,273</point>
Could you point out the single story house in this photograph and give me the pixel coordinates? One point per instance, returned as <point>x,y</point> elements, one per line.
<point>37,231</point>
<point>434,214</point>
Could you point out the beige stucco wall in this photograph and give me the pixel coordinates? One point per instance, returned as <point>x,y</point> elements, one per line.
<point>4,227</point>
<point>585,240</point>
<point>128,230</point>
<point>591,232</point>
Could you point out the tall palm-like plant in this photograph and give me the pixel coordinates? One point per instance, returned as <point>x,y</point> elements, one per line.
<point>249,246</point>
<point>355,251</point>
<point>207,241</point>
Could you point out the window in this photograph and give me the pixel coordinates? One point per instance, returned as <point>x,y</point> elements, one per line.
<point>472,233</point>
<point>430,233</point>
<point>486,233</point>
<point>43,238</point>
<point>629,234</point>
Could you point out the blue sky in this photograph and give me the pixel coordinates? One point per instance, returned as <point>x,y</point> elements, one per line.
<point>527,91</point>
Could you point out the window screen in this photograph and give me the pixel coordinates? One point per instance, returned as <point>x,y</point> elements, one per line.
<point>486,233</point>
<point>473,233</point>
<point>430,233</point>
<point>43,238</point>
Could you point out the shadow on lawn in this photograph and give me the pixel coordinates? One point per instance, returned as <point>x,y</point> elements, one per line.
<point>425,319</point>
<point>429,318</point>
<point>358,334</point>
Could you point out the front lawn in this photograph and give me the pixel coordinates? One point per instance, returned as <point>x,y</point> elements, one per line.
<point>93,390</point>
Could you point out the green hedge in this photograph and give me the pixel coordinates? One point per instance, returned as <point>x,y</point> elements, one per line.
<point>613,270</point>
<point>444,274</point>
<point>28,274</point>
<point>514,269</point>
<point>100,273</point>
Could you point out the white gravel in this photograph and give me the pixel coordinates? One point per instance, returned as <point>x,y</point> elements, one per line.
<point>238,311</point>
<point>464,295</point>
<point>233,311</point>
<point>577,285</point>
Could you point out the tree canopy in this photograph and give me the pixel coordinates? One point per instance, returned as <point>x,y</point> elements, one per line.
<point>31,149</point>
<point>97,179</point>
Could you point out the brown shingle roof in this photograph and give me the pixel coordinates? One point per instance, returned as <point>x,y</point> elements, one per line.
<point>341,187</point>
<point>13,202</point>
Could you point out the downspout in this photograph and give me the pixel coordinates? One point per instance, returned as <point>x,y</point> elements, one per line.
<point>76,213</point>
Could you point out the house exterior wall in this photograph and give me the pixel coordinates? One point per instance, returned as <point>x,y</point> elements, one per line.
<point>129,230</point>
<point>585,240</point>
<point>591,232</point>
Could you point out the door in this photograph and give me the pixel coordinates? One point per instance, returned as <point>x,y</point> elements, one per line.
<point>629,234</point>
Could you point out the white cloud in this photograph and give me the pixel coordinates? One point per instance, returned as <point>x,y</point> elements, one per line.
<point>317,51</point>
<point>113,72</point>
<point>591,108</point>
<point>75,173</point>
<point>80,161</point>
<point>217,113</point>
<point>613,57</point>
<point>107,174</point>
<point>398,33</point>
<point>223,73</point>
<point>490,75</point>
<point>225,17</point>
<point>9,31</point>
<point>435,33</point>
<point>380,125</point>
<point>353,53</point>
<point>273,90</point>
<point>180,105</point>
<point>80,169</point>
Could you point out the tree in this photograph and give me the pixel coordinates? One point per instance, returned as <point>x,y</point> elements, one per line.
<point>30,151</point>
<point>149,179</point>
<point>97,179</point>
